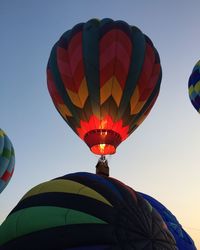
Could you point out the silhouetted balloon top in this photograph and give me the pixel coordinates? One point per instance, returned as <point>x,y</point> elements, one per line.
<point>194,86</point>
<point>104,77</point>
<point>83,211</point>
<point>7,160</point>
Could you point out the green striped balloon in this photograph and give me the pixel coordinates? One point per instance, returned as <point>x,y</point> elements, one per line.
<point>83,211</point>
<point>7,160</point>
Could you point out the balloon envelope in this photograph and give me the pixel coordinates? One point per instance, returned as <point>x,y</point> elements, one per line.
<point>194,87</point>
<point>7,160</point>
<point>84,211</point>
<point>104,77</point>
<point>183,240</point>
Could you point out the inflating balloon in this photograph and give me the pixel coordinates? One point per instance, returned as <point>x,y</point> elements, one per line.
<point>104,78</point>
<point>84,211</point>
<point>194,87</point>
<point>7,160</point>
<point>183,240</point>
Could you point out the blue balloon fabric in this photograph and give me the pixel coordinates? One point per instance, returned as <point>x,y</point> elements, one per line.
<point>183,240</point>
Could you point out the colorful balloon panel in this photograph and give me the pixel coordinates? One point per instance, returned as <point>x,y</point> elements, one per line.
<point>183,240</point>
<point>7,160</point>
<point>194,87</point>
<point>84,211</point>
<point>104,77</point>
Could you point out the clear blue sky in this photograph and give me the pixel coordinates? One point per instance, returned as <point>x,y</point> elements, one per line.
<point>161,158</point>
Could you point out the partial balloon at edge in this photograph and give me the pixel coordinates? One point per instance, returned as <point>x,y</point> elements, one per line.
<point>84,211</point>
<point>104,77</point>
<point>194,87</point>
<point>7,160</point>
<point>183,240</point>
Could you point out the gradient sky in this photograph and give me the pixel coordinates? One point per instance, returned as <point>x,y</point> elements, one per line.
<point>161,158</point>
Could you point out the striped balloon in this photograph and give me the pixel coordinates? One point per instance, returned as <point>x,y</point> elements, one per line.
<point>194,87</point>
<point>7,160</point>
<point>84,211</point>
<point>104,78</point>
<point>183,240</point>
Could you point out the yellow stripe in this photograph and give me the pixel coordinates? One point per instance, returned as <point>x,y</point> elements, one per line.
<point>197,87</point>
<point>191,89</point>
<point>105,91</point>
<point>134,101</point>
<point>138,107</point>
<point>2,133</point>
<point>116,91</point>
<point>64,110</point>
<point>83,92</point>
<point>141,119</point>
<point>66,186</point>
<point>111,87</point>
<point>78,99</point>
<point>198,64</point>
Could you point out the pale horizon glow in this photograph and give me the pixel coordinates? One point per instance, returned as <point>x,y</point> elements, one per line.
<point>161,158</point>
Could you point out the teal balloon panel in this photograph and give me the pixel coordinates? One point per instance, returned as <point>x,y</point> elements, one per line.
<point>7,160</point>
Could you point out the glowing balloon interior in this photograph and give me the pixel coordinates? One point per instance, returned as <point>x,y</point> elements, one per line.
<point>104,78</point>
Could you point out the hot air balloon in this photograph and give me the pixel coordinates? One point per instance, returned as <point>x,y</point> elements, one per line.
<point>7,160</point>
<point>82,211</point>
<point>104,77</point>
<point>194,86</point>
<point>183,240</point>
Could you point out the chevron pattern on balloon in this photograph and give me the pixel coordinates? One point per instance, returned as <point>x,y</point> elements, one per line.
<point>70,66</point>
<point>57,100</point>
<point>115,55</point>
<point>111,88</point>
<point>104,69</point>
<point>146,83</point>
<point>70,62</point>
<point>78,98</point>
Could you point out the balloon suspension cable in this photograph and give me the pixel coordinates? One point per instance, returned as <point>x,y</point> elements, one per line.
<point>102,166</point>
